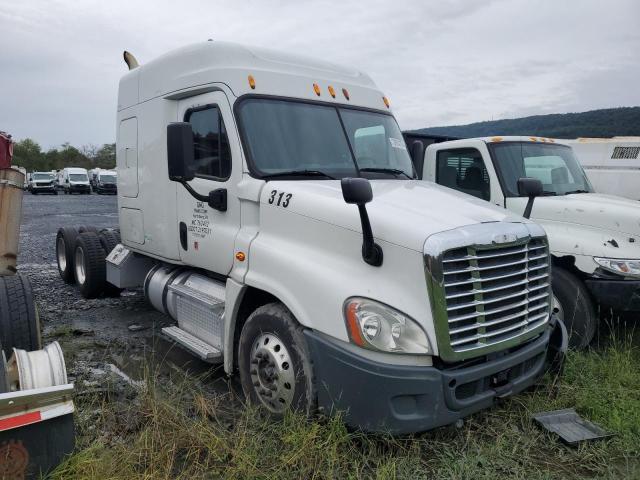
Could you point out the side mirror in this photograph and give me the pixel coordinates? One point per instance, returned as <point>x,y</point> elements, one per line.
<point>358,191</point>
<point>532,188</point>
<point>417,156</point>
<point>180,152</point>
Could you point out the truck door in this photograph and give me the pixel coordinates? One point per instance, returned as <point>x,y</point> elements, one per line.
<point>206,234</point>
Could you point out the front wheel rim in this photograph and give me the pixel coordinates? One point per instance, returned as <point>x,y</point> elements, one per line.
<point>80,270</point>
<point>557,309</point>
<point>272,372</point>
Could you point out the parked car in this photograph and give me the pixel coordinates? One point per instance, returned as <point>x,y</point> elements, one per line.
<point>42,182</point>
<point>75,180</point>
<point>106,182</point>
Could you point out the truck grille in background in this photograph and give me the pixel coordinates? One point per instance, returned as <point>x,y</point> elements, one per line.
<point>496,294</point>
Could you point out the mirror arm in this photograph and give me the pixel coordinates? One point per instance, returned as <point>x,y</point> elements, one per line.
<point>529,207</point>
<point>217,199</point>
<point>194,194</point>
<point>371,251</point>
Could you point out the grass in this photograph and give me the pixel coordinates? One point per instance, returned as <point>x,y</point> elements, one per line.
<point>182,432</point>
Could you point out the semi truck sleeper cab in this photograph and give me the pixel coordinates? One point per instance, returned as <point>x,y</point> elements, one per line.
<point>267,203</point>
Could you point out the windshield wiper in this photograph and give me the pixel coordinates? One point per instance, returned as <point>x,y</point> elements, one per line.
<point>393,171</point>
<point>577,191</point>
<point>549,194</point>
<point>299,173</point>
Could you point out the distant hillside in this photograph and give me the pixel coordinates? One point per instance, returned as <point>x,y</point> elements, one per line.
<point>607,122</point>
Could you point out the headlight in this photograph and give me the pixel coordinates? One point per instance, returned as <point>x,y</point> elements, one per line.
<point>377,326</point>
<point>628,268</point>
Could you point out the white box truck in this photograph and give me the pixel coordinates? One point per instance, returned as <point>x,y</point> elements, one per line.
<point>594,238</point>
<point>268,204</point>
<point>74,180</point>
<point>612,164</point>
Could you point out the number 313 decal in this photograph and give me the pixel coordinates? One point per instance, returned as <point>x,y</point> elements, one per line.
<point>281,199</point>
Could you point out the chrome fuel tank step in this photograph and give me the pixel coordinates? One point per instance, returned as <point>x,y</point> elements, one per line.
<point>195,301</point>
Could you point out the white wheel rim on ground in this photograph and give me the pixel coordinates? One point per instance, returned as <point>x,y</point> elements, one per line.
<point>80,275</point>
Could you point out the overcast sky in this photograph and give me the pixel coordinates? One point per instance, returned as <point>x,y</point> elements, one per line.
<point>440,62</point>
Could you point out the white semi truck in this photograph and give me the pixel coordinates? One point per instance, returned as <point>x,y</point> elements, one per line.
<point>268,204</point>
<point>594,238</point>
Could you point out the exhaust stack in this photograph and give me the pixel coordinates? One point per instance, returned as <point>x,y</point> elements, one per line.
<point>130,60</point>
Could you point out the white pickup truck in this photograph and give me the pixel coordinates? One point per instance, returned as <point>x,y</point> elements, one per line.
<point>268,204</point>
<point>594,238</point>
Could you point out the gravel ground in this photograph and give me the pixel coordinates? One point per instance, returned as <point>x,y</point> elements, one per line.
<point>103,337</point>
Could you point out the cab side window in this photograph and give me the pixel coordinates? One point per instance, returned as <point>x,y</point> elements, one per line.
<point>463,169</point>
<point>212,155</point>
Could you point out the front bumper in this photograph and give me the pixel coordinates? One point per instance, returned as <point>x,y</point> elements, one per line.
<point>621,295</point>
<point>79,188</point>
<point>106,189</point>
<point>43,188</point>
<point>399,399</point>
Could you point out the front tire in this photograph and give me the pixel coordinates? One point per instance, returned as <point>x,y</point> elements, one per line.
<point>574,307</point>
<point>275,366</point>
<point>90,268</point>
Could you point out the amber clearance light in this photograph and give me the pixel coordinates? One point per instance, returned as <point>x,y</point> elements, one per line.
<point>352,324</point>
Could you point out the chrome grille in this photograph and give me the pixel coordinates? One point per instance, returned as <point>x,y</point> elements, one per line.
<point>493,294</point>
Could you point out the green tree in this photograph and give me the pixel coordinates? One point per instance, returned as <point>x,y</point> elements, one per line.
<point>106,156</point>
<point>28,154</point>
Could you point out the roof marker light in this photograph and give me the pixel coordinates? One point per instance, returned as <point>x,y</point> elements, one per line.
<point>496,139</point>
<point>252,82</point>
<point>316,89</point>
<point>386,101</point>
<point>332,92</point>
<point>345,93</point>
<point>533,139</point>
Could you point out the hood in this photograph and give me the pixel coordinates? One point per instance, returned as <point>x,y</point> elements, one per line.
<point>402,212</point>
<point>606,212</point>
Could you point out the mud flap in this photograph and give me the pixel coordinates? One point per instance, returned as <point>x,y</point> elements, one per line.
<point>558,345</point>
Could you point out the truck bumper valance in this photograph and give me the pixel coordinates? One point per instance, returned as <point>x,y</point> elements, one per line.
<point>399,399</point>
<point>621,295</point>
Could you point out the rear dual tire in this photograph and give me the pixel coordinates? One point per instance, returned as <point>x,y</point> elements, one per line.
<point>89,265</point>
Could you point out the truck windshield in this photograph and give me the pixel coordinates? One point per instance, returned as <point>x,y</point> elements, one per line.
<point>42,176</point>
<point>108,178</point>
<point>78,177</point>
<point>554,165</point>
<point>297,139</point>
